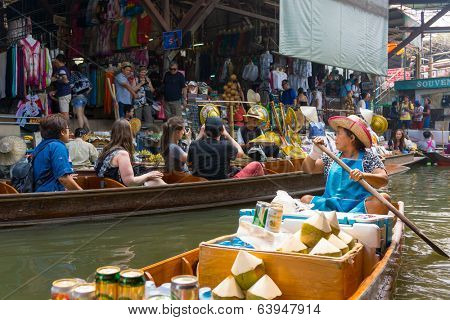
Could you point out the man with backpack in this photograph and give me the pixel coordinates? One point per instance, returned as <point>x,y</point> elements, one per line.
<point>52,170</point>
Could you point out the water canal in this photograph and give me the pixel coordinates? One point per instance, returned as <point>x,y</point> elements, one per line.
<point>31,258</point>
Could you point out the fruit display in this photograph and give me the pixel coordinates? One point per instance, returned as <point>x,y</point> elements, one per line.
<point>314,229</point>
<point>325,248</point>
<point>294,244</point>
<point>147,156</point>
<point>248,280</point>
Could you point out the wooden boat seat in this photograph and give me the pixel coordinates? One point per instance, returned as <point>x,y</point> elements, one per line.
<point>90,183</point>
<point>5,188</point>
<point>181,177</point>
<point>280,166</point>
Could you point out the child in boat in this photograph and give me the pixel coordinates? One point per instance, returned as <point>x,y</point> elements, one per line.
<point>342,191</point>
<point>209,157</point>
<point>174,156</point>
<point>115,160</point>
<point>427,145</point>
<point>51,167</point>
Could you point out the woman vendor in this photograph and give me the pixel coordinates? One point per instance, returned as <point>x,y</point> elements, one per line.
<point>252,129</point>
<point>343,193</point>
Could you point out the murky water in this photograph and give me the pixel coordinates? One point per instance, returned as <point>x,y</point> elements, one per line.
<point>31,258</point>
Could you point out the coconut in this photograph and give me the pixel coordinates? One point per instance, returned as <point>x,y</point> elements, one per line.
<point>247,269</point>
<point>228,289</point>
<point>348,239</point>
<point>338,243</point>
<point>325,248</point>
<point>314,229</point>
<point>333,220</point>
<point>264,289</point>
<point>293,244</point>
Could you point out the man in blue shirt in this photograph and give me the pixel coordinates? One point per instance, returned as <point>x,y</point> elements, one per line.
<point>51,167</point>
<point>125,93</point>
<point>62,83</point>
<point>288,96</point>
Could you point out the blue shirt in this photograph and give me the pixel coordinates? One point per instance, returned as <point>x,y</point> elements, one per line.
<point>62,89</point>
<point>288,97</point>
<point>122,93</point>
<point>50,164</point>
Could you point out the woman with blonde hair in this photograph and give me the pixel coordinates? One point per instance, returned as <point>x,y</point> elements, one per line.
<point>115,160</point>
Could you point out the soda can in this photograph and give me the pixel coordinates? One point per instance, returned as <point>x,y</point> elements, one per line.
<point>274,218</point>
<point>84,291</point>
<point>106,282</point>
<point>261,211</point>
<point>131,285</point>
<point>61,288</point>
<point>184,288</point>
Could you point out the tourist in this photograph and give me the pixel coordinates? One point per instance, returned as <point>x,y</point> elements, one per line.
<point>81,87</point>
<point>342,191</point>
<point>393,116</point>
<point>62,84</point>
<point>356,91</point>
<point>144,101</point>
<point>302,99</point>
<point>209,156</point>
<point>427,113</point>
<point>288,95</point>
<point>82,154</point>
<point>427,145</point>
<point>175,94</point>
<point>125,92</point>
<point>128,110</point>
<point>52,170</point>
<point>174,156</point>
<point>406,110</point>
<point>398,143</point>
<point>362,104</point>
<point>418,116</point>
<point>115,161</point>
<point>348,103</point>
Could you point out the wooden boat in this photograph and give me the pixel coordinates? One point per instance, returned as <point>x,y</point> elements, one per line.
<point>378,285</point>
<point>439,158</point>
<point>104,198</point>
<point>401,159</point>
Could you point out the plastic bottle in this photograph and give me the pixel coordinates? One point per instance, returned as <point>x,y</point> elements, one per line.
<point>205,293</point>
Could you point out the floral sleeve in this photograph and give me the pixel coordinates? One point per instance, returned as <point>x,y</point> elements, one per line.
<point>372,162</point>
<point>327,161</point>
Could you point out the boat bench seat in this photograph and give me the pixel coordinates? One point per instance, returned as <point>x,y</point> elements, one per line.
<point>5,188</point>
<point>181,177</point>
<point>89,183</point>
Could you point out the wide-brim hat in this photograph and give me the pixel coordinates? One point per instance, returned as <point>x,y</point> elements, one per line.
<point>257,113</point>
<point>208,111</point>
<point>12,149</point>
<point>310,113</point>
<point>355,125</point>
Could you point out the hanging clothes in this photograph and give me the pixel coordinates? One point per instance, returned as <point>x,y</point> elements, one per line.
<point>3,70</point>
<point>250,72</point>
<point>265,60</point>
<point>126,33</point>
<point>113,10</point>
<point>133,42</point>
<point>100,86</point>
<point>31,106</point>
<point>21,75</point>
<point>93,80</point>
<point>32,61</point>
<point>120,35</point>
<point>48,67</point>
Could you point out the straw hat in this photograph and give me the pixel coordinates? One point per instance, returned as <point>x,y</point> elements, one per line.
<point>310,113</point>
<point>252,96</point>
<point>12,149</point>
<point>355,125</point>
<point>257,113</point>
<point>208,111</point>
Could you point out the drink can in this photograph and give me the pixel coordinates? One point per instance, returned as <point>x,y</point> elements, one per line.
<point>131,285</point>
<point>106,282</point>
<point>61,288</point>
<point>261,211</point>
<point>274,218</point>
<point>184,288</point>
<point>205,293</point>
<point>84,291</point>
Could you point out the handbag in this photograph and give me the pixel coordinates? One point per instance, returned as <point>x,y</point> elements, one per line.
<point>161,113</point>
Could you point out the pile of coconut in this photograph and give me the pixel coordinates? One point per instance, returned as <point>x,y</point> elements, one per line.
<point>248,280</point>
<point>320,235</point>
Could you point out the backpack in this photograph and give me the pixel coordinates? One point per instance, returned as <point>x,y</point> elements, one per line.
<point>79,83</point>
<point>22,175</point>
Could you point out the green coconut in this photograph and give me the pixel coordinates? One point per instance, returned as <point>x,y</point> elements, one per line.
<point>247,269</point>
<point>348,239</point>
<point>338,243</point>
<point>293,244</point>
<point>333,220</point>
<point>325,248</point>
<point>314,229</point>
<point>263,289</point>
<point>228,289</point>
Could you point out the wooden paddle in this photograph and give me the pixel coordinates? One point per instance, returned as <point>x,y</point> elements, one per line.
<point>375,193</point>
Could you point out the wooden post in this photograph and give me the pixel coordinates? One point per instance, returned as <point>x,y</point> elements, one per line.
<point>231,120</point>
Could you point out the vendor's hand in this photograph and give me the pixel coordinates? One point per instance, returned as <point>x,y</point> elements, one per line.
<point>154,175</point>
<point>319,141</point>
<point>356,175</point>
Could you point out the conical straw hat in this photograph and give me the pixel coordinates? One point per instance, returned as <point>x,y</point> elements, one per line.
<point>12,149</point>
<point>310,113</point>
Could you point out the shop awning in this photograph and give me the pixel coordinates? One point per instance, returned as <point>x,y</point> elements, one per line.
<point>350,34</point>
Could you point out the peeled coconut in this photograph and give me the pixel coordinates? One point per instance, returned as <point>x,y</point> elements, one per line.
<point>348,239</point>
<point>338,243</point>
<point>264,289</point>
<point>325,248</point>
<point>333,220</point>
<point>314,229</point>
<point>228,289</point>
<point>247,269</point>
<point>293,244</point>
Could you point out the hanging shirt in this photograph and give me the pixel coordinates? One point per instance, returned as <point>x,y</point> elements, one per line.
<point>265,60</point>
<point>32,61</point>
